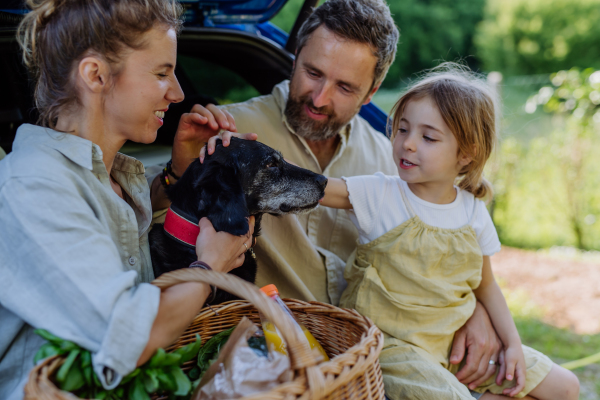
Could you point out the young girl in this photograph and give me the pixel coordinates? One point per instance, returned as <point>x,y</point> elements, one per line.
<point>425,244</point>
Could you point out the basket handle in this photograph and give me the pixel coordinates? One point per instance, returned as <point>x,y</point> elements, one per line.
<point>301,355</point>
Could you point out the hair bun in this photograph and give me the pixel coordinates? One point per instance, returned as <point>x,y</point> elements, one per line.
<point>33,22</point>
<point>57,33</point>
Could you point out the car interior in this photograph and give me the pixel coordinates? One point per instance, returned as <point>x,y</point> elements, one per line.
<point>215,65</point>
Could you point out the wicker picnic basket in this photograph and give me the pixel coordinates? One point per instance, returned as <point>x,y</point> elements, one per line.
<point>352,342</point>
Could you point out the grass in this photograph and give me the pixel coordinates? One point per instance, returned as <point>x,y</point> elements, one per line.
<point>559,344</point>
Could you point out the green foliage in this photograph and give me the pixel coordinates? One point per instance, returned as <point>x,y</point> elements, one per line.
<point>573,94</point>
<point>559,344</point>
<point>161,374</point>
<point>519,37</point>
<point>547,186</point>
<point>286,17</point>
<point>210,350</point>
<point>431,31</point>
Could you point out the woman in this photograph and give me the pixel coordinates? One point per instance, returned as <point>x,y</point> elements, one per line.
<point>75,214</point>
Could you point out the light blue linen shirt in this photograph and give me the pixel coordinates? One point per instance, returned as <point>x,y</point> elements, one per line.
<point>74,256</point>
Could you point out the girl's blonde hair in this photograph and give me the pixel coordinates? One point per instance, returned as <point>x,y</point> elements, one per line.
<point>469,107</point>
<point>57,34</point>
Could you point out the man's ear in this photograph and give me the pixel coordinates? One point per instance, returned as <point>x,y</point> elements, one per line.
<point>223,199</point>
<point>93,74</point>
<point>371,94</point>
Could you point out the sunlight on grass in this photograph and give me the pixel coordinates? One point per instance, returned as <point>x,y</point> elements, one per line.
<point>560,345</point>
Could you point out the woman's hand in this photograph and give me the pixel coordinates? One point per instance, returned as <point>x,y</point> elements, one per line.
<point>514,360</point>
<point>221,250</point>
<point>194,130</point>
<point>225,136</point>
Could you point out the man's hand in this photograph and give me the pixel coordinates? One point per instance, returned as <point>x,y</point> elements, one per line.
<point>194,130</point>
<point>479,340</point>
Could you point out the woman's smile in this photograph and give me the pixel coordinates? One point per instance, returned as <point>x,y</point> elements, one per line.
<point>160,115</point>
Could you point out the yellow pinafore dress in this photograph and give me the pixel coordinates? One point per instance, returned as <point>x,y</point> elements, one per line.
<point>416,283</point>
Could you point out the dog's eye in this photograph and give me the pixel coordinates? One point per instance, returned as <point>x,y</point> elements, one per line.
<point>271,165</point>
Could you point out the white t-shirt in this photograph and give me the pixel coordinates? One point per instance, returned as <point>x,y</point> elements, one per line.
<point>379,207</point>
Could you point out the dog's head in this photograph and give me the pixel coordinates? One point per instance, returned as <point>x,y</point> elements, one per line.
<point>246,178</point>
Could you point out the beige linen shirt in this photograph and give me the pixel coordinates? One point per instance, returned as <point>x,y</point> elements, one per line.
<point>305,255</point>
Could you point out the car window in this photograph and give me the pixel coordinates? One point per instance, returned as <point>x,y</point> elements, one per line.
<point>217,82</point>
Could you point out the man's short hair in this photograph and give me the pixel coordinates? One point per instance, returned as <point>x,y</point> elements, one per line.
<point>363,21</point>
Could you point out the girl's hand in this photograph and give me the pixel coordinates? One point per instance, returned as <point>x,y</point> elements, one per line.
<point>194,130</point>
<point>221,250</point>
<point>502,371</point>
<point>225,136</point>
<point>514,359</point>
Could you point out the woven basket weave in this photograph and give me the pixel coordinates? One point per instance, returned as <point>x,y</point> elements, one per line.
<point>352,342</point>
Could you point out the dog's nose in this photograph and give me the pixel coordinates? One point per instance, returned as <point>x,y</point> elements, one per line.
<point>322,181</point>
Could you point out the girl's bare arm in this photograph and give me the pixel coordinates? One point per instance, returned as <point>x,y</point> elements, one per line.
<point>336,194</point>
<point>489,294</point>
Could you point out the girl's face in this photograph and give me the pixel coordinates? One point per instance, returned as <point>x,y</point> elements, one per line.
<point>142,92</point>
<point>425,150</point>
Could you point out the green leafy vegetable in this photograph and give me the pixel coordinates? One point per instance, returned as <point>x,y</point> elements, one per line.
<point>61,375</point>
<point>73,381</point>
<point>161,374</point>
<point>47,350</point>
<point>137,390</point>
<point>190,351</point>
<point>211,348</point>
<point>150,379</point>
<point>182,382</point>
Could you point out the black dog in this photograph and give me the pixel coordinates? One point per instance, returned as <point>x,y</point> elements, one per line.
<point>246,178</point>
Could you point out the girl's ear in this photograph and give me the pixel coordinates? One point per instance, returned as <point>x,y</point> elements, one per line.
<point>466,159</point>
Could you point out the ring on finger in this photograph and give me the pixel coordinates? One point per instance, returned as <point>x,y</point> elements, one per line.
<point>246,246</point>
<point>492,362</point>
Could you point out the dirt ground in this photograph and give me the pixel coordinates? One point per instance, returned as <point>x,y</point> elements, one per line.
<point>566,288</point>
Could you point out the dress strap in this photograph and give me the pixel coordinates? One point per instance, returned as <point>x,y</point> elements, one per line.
<point>474,213</point>
<point>411,212</point>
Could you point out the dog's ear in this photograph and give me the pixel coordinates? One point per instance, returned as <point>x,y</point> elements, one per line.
<point>222,197</point>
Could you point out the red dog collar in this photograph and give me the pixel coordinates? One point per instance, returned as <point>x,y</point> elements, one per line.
<point>181,228</point>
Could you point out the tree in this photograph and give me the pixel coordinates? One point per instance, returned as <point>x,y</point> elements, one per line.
<point>523,37</point>
<point>430,31</point>
<point>574,99</point>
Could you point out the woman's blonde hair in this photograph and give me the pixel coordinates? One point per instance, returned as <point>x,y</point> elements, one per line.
<point>57,34</point>
<point>469,107</point>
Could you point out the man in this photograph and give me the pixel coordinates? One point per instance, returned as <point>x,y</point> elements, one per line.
<point>344,51</point>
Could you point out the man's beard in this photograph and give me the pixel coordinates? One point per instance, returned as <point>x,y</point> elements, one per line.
<point>307,127</point>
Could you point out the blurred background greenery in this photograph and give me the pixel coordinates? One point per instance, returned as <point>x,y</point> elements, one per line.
<point>544,170</point>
